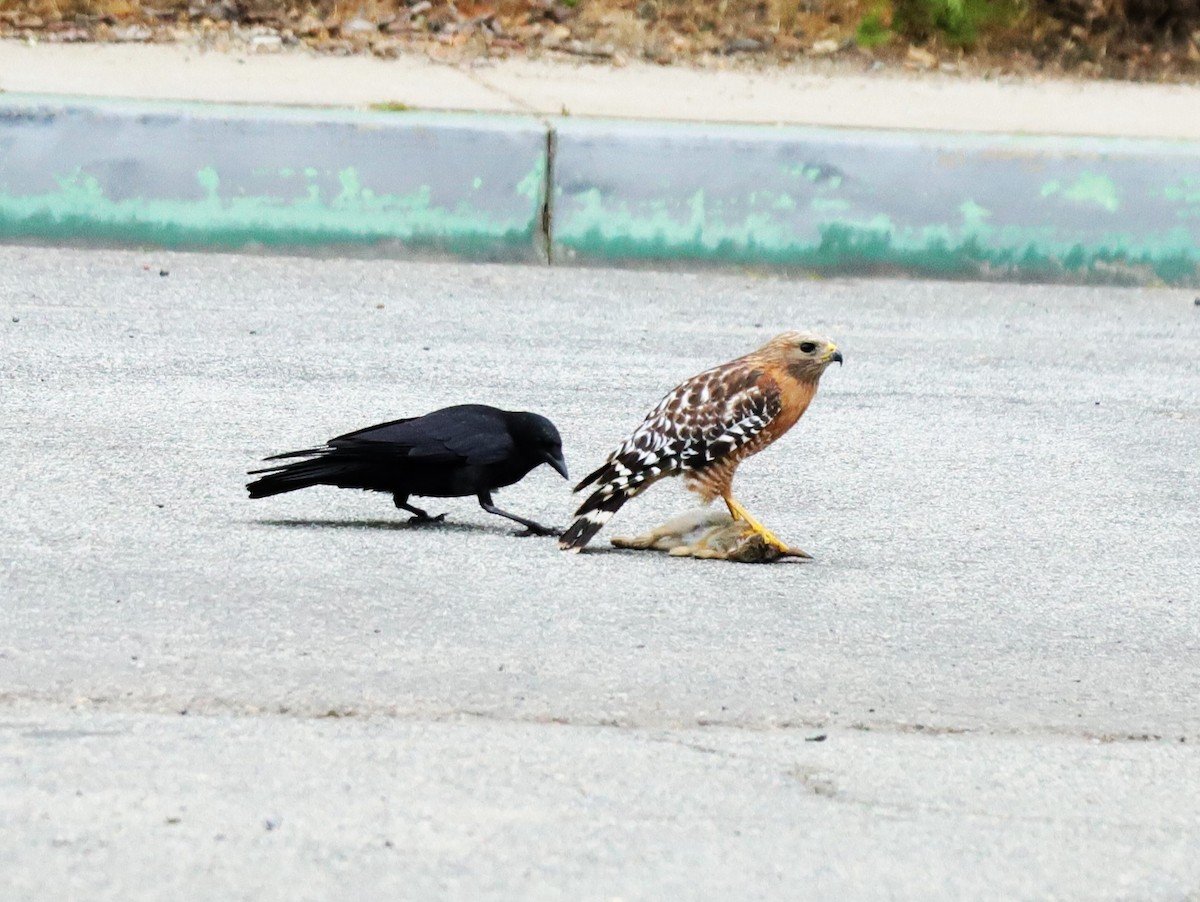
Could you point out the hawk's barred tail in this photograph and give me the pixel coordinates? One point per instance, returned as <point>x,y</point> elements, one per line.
<point>620,478</point>
<point>592,516</point>
<point>595,476</point>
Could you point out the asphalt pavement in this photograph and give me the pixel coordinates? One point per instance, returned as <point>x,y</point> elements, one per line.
<point>983,686</point>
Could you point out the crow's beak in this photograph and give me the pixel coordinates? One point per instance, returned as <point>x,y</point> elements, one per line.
<point>556,461</point>
<point>836,356</point>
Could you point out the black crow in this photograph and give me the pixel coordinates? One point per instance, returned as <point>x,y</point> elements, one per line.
<point>470,449</point>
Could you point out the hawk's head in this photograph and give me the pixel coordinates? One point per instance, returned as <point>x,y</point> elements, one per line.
<point>805,354</point>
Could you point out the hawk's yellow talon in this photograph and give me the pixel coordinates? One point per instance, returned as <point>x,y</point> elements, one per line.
<point>740,513</point>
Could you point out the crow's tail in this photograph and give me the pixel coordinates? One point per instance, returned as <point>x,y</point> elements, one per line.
<point>289,477</point>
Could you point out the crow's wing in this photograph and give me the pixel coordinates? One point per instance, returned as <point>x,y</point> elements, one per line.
<point>380,432</point>
<point>467,434</point>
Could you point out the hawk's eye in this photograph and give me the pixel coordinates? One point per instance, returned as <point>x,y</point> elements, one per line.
<point>808,346</point>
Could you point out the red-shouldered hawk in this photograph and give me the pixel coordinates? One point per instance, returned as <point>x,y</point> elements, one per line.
<point>705,427</point>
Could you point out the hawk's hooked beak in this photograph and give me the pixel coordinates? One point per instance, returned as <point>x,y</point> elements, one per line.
<point>556,461</point>
<point>836,356</point>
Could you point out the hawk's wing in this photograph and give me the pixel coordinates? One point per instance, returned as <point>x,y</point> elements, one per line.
<point>697,426</point>
<point>699,423</point>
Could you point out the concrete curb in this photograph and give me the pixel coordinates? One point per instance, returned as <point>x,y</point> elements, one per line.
<point>849,200</point>
<point>570,191</point>
<point>207,176</point>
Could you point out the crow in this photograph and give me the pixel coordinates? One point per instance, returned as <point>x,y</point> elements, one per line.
<point>469,449</point>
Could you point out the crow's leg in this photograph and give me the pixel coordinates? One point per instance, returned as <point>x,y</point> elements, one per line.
<point>401,501</point>
<point>531,528</point>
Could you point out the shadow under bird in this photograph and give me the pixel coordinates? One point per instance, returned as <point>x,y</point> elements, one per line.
<point>469,449</point>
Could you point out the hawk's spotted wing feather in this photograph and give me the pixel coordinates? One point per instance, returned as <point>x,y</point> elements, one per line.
<point>701,422</point>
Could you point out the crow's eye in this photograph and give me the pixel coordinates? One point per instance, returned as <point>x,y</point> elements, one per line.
<point>808,346</point>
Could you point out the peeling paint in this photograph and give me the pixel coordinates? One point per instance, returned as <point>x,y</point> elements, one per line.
<point>973,214</point>
<point>1089,188</point>
<point>355,216</point>
<point>198,177</point>
<point>1072,210</point>
<point>1081,210</point>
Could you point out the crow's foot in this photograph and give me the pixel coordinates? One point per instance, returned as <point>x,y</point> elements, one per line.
<point>536,529</point>
<point>426,520</point>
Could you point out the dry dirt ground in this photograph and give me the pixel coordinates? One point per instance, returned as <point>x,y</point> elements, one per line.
<point>1157,40</point>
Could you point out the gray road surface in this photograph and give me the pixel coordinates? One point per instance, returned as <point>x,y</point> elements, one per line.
<point>303,697</point>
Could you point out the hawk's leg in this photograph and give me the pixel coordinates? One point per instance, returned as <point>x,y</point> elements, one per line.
<point>531,528</point>
<point>420,516</point>
<point>740,513</point>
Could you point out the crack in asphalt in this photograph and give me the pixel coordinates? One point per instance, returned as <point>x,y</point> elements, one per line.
<point>18,703</point>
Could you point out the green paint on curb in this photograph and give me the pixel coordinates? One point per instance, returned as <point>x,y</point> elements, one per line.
<point>1089,188</point>
<point>591,228</point>
<point>355,215</point>
<point>533,186</point>
<point>1078,210</point>
<point>1186,195</point>
<point>973,214</point>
